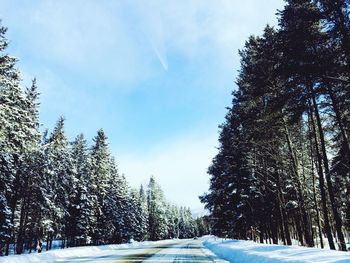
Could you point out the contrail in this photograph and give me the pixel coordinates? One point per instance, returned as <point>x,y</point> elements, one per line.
<point>161,58</point>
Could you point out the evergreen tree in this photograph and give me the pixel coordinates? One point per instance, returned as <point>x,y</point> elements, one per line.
<point>80,200</point>
<point>29,170</point>
<point>143,216</point>
<point>157,211</point>
<point>18,137</point>
<point>99,169</point>
<point>60,179</point>
<point>276,140</point>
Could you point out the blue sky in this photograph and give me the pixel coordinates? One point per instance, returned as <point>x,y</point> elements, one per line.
<point>156,75</point>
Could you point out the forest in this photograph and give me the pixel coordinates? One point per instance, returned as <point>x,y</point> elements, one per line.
<point>282,171</point>
<point>53,189</point>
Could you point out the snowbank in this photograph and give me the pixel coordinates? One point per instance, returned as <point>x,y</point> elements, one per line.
<point>239,251</point>
<point>62,255</point>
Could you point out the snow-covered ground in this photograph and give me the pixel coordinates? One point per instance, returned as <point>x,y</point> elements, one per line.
<point>235,251</point>
<point>184,250</point>
<point>239,251</point>
<point>82,253</point>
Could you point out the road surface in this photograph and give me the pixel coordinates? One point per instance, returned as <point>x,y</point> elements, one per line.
<point>172,251</point>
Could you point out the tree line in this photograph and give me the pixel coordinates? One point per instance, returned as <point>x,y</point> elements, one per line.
<point>282,170</point>
<point>53,189</point>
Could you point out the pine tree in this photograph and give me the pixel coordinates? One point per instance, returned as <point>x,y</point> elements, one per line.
<point>100,176</point>
<point>303,43</point>
<point>18,135</point>
<point>143,219</point>
<point>60,179</point>
<point>80,200</point>
<point>29,167</point>
<point>157,211</point>
<point>276,140</point>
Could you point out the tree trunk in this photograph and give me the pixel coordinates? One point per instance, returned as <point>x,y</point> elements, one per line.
<point>50,242</point>
<point>314,181</point>
<point>30,242</point>
<point>283,210</point>
<point>14,200</point>
<point>47,242</point>
<point>316,205</point>
<point>322,184</point>
<point>306,223</point>
<point>338,221</point>
<point>274,232</point>
<point>21,230</point>
<point>299,231</point>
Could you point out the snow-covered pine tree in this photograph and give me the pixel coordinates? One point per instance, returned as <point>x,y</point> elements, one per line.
<point>276,165</point>
<point>134,218</point>
<point>30,172</point>
<point>182,223</point>
<point>80,206</point>
<point>60,185</point>
<point>100,176</point>
<point>37,194</point>
<point>172,218</point>
<point>8,78</point>
<point>203,227</point>
<point>116,208</point>
<point>18,136</point>
<point>157,217</point>
<point>5,223</point>
<point>143,220</point>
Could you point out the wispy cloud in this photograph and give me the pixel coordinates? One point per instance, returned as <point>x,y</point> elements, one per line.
<point>117,38</point>
<point>161,55</point>
<point>82,36</point>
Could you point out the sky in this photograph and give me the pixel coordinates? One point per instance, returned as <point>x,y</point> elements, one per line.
<point>157,76</point>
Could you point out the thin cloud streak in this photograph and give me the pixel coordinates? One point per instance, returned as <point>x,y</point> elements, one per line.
<point>162,58</point>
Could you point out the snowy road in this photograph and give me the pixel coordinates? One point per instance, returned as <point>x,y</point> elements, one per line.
<point>173,251</point>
